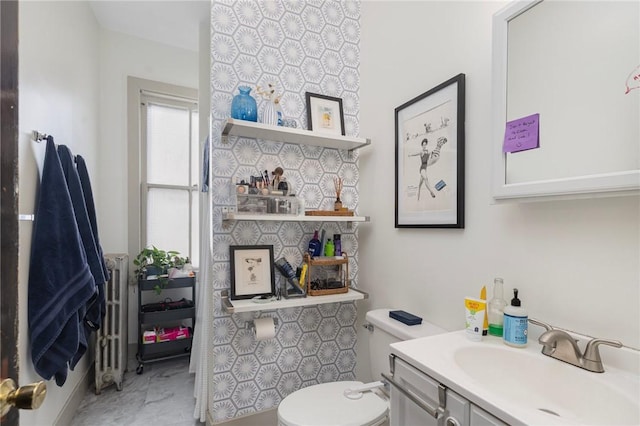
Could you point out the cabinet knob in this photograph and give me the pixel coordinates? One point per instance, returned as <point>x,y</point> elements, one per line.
<point>451,421</point>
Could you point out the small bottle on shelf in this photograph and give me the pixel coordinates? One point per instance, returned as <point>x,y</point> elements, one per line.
<point>337,243</point>
<point>329,248</point>
<point>314,245</point>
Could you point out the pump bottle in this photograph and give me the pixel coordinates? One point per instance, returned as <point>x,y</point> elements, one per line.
<point>516,323</point>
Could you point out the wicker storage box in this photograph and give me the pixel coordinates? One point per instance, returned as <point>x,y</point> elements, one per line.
<point>327,275</point>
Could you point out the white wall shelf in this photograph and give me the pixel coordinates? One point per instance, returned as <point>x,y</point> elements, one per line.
<point>250,129</point>
<point>246,305</point>
<point>293,218</point>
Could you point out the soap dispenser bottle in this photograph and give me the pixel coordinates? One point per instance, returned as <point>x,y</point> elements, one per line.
<point>496,308</point>
<point>516,323</point>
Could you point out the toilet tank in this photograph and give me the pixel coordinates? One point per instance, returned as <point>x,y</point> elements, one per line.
<point>387,330</point>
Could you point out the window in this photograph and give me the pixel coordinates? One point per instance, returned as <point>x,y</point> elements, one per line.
<point>167,170</point>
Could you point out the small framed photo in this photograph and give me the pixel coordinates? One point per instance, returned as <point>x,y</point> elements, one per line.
<point>429,165</point>
<point>325,114</point>
<point>251,271</point>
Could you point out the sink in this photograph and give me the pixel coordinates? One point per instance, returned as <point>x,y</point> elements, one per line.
<point>548,385</point>
<point>521,386</point>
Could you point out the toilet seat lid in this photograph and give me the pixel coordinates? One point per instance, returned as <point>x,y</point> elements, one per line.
<point>325,404</point>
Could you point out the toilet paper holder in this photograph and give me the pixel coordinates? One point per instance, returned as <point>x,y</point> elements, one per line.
<point>252,325</point>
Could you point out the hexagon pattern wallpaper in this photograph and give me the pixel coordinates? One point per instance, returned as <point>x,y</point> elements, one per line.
<point>300,46</point>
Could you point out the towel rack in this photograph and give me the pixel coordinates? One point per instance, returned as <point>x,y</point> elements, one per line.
<point>38,137</point>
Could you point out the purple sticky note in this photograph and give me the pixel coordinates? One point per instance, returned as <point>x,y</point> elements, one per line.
<point>522,134</point>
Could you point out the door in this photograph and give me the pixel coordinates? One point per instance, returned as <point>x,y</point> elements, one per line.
<point>26,396</point>
<point>9,198</point>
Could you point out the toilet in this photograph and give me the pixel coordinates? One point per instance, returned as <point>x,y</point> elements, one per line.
<point>326,404</point>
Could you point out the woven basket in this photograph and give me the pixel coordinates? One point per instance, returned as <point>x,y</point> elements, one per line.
<point>328,291</point>
<point>320,262</point>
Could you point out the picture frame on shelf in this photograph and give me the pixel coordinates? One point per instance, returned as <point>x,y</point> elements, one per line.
<point>252,271</point>
<point>429,158</point>
<point>325,114</point>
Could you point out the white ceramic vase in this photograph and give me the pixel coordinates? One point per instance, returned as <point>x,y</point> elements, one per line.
<point>271,114</point>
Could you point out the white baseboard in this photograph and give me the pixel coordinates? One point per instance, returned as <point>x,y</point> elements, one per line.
<point>75,399</point>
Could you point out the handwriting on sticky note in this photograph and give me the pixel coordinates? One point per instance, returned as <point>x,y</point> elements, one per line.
<point>633,81</point>
<point>522,134</point>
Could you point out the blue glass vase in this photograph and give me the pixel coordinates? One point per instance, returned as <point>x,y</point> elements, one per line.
<point>243,106</point>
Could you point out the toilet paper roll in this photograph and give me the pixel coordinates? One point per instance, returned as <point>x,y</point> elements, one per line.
<point>264,328</point>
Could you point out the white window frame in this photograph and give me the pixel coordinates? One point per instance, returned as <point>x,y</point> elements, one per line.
<point>137,90</point>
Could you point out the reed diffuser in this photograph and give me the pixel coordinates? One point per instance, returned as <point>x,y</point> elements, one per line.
<point>337,184</point>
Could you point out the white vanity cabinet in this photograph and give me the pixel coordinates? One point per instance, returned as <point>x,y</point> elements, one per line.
<point>507,385</point>
<point>417,399</point>
<point>479,417</point>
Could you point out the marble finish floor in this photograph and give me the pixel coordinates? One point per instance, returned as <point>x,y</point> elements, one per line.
<point>161,395</point>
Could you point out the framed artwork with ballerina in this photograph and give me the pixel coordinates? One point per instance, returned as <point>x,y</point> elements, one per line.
<point>430,158</point>
<point>252,271</point>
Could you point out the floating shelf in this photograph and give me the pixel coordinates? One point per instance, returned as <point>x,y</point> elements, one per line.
<point>250,129</point>
<point>292,218</point>
<point>237,306</point>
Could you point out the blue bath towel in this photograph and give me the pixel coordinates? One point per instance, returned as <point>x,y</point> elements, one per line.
<point>100,304</point>
<point>85,181</point>
<point>94,310</point>
<point>60,281</point>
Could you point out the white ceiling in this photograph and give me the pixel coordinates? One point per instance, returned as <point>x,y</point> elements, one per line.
<point>172,22</point>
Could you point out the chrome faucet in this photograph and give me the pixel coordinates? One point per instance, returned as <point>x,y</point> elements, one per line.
<point>560,345</point>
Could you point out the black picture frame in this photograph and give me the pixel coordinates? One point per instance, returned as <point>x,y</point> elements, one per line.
<point>325,114</point>
<point>429,176</point>
<point>252,272</point>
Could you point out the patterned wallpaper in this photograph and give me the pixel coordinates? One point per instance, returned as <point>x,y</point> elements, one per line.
<point>301,46</point>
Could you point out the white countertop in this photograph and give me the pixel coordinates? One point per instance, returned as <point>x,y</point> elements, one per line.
<point>520,403</point>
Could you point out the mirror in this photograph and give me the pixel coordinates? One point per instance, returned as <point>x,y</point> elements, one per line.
<point>577,65</point>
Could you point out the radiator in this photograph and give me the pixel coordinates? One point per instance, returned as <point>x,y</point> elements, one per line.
<point>112,338</point>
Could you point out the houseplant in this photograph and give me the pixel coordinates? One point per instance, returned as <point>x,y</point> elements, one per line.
<point>154,261</point>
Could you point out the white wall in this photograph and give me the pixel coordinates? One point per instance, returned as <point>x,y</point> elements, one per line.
<point>121,56</point>
<point>58,95</point>
<point>73,86</point>
<point>576,263</point>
